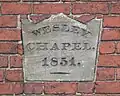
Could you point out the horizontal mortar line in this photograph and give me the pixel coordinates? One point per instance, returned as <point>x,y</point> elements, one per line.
<point>9,41</point>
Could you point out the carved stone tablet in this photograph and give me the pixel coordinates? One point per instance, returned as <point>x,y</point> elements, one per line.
<point>60,49</point>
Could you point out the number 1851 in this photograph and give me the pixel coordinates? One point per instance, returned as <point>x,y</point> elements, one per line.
<point>63,62</point>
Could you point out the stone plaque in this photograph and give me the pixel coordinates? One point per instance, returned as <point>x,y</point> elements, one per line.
<point>60,49</point>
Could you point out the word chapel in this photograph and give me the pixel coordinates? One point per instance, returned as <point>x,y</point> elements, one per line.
<point>61,46</point>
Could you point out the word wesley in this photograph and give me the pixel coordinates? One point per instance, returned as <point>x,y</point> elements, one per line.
<point>62,28</point>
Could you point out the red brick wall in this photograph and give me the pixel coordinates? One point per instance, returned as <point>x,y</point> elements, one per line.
<point>107,79</point>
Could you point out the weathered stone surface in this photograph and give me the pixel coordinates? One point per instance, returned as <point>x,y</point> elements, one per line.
<point>60,49</point>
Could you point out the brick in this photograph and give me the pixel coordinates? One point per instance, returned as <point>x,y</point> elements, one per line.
<point>111,34</point>
<point>91,0</point>
<point>39,95</point>
<point>15,61</point>
<point>8,47</point>
<point>62,95</point>
<point>20,49</point>
<point>90,8</point>
<point>85,18</point>
<point>6,95</point>
<point>118,47</point>
<point>105,74</point>
<point>33,88</point>
<point>9,0</point>
<point>8,21</point>
<point>109,60</point>
<point>99,16</point>
<point>85,87</point>
<point>99,0</point>
<point>106,0</point>
<point>3,61</point>
<point>41,0</point>
<point>60,88</point>
<point>1,75</point>
<point>16,8</point>
<point>11,88</point>
<point>51,8</point>
<point>115,8</point>
<point>107,95</point>
<point>107,47</point>
<point>118,73</point>
<point>107,87</point>
<point>86,95</point>
<point>14,75</point>
<point>39,18</point>
<point>68,0</point>
<point>10,34</point>
<point>111,21</point>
